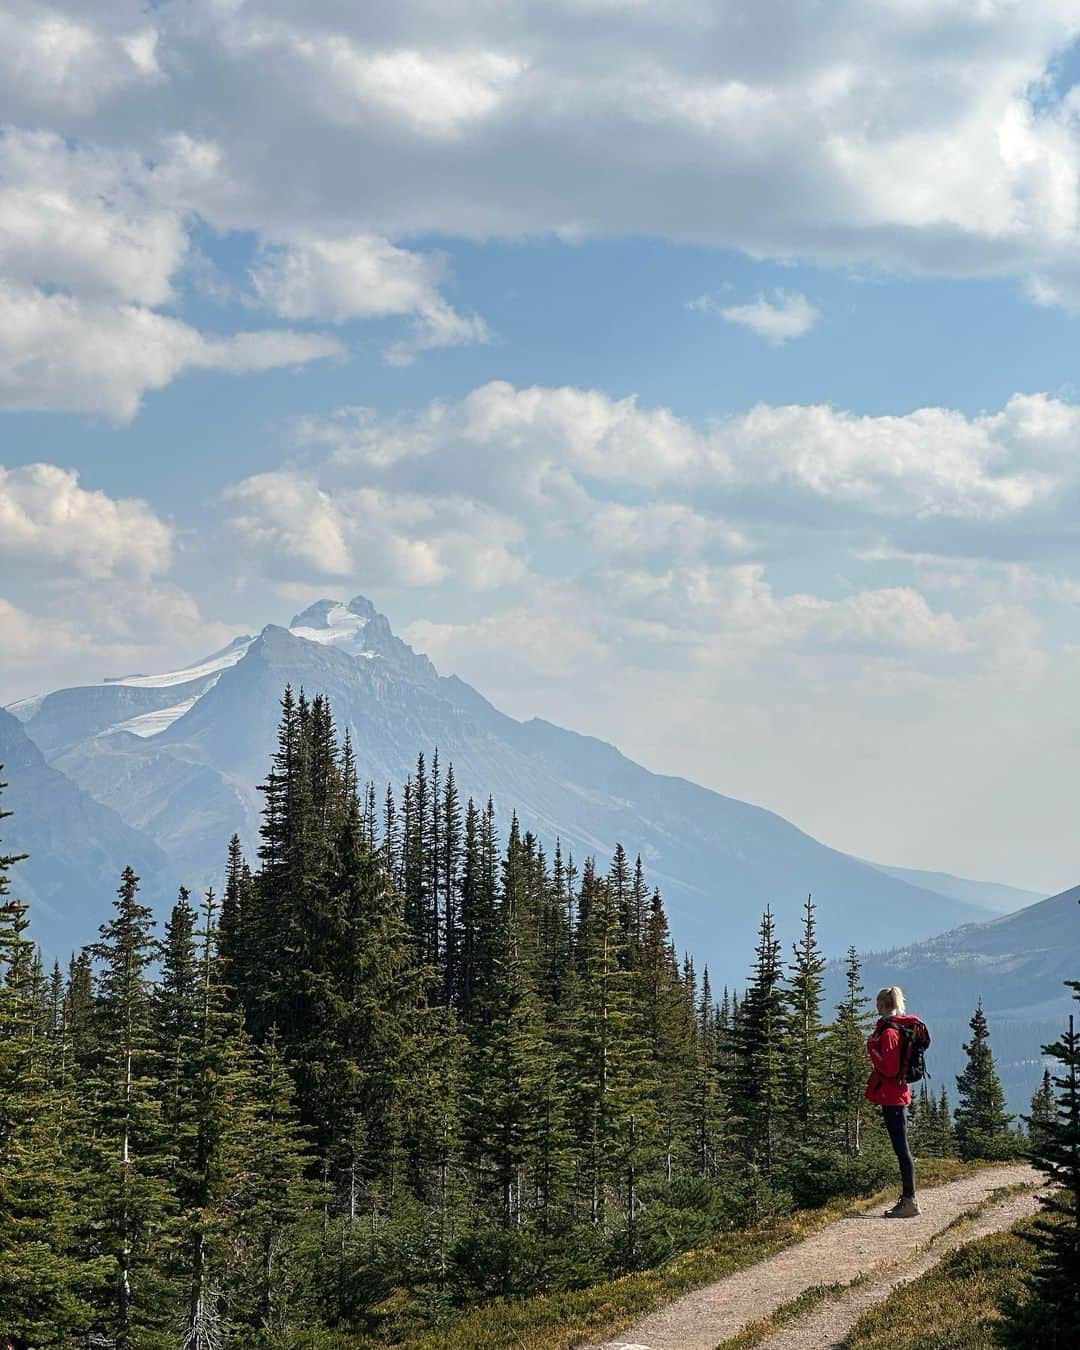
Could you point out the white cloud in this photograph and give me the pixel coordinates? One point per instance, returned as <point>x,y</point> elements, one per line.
<point>63,354</point>
<point>404,539</point>
<point>287,517</point>
<point>925,137</point>
<point>527,647</point>
<point>337,279</point>
<point>72,60</point>
<point>47,519</point>
<point>776,321</point>
<point>921,137</point>
<point>662,530</point>
<point>734,611</point>
<point>565,452</point>
<point>27,639</point>
<point>433,94</point>
<point>90,243</point>
<point>933,461</point>
<point>80,631</point>
<point>85,221</point>
<point>363,277</point>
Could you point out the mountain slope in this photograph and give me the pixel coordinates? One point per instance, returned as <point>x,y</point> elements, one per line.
<point>77,846</point>
<point>1015,964</point>
<point>990,895</point>
<point>719,861</point>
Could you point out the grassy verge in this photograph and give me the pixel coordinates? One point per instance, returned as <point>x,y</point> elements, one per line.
<point>559,1321</point>
<point>956,1305</point>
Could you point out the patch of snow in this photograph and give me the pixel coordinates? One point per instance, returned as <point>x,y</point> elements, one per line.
<point>151,723</point>
<point>25,708</point>
<point>212,665</point>
<point>343,629</point>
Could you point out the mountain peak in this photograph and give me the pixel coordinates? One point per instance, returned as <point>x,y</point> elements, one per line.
<point>360,630</point>
<point>325,614</point>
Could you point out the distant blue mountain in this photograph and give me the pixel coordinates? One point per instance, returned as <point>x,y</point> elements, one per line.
<point>178,757</point>
<point>1016,965</point>
<point>990,895</point>
<point>77,846</point>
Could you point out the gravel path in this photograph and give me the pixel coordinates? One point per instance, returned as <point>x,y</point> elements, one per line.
<point>825,1327</point>
<point>887,1250</point>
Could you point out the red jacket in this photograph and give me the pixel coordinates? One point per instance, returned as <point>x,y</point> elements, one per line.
<point>884,1087</point>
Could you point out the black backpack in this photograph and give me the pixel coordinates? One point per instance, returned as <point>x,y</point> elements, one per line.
<point>914,1043</point>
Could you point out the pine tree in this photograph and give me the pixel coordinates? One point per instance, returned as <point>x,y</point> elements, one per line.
<point>1044,1111</point>
<point>804,1067</point>
<point>609,1111</point>
<point>449,886</point>
<point>505,1102</point>
<point>218,1153</point>
<point>45,1288</point>
<point>1050,1317</point>
<point>980,1120</point>
<point>846,1054</point>
<point>667,1021</point>
<point>379,987</point>
<point>129,1145</point>
<point>757,1090</point>
<point>274,1206</point>
<point>176,1010</point>
<point>709,1116</point>
<point>236,918</point>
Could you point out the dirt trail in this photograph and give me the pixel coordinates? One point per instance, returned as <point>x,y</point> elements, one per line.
<point>866,1245</point>
<point>825,1327</point>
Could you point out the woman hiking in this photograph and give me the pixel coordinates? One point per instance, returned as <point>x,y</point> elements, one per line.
<point>888,1090</point>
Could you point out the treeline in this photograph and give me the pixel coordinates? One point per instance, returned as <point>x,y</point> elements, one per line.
<point>397,1065</point>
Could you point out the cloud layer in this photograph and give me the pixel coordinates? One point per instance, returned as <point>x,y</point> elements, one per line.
<point>926,136</point>
<point>931,138</point>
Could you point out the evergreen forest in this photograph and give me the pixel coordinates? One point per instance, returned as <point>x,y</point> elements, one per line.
<point>400,1065</point>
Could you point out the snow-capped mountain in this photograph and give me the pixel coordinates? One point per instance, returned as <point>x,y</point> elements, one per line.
<point>178,757</point>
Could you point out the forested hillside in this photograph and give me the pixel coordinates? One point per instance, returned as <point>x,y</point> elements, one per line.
<point>396,1066</point>
<point>177,756</point>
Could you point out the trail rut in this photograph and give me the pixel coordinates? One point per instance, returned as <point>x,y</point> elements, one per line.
<point>878,1252</point>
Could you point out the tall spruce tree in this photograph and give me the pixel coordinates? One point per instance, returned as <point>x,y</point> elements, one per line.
<point>130,1146</point>
<point>757,1094</point>
<point>609,1109</point>
<point>981,1122</point>
<point>1050,1318</point>
<point>804,1067</point>
<point>505,1083</point>
<point>1044,1111</point>
<point>275,1207</point>
<point>708,1115</point>
<point>667,1020</point>
<point>46,1289</point>
<point>846,1053</point>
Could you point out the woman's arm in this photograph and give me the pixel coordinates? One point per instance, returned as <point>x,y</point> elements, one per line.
<point>885,1052</point>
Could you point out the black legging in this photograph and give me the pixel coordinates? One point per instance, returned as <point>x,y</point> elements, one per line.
<point>895,1118</point>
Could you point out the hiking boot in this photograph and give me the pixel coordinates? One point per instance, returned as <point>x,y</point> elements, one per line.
<point>907,1207</point>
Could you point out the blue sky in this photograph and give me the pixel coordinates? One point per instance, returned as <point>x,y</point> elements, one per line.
<point>701,381</point>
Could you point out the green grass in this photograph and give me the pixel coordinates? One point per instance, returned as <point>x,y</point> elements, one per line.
<point>559,1321</point>
<point>956,1305</point>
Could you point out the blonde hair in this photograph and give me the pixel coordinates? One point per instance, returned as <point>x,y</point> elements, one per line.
<point>891,999</point>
